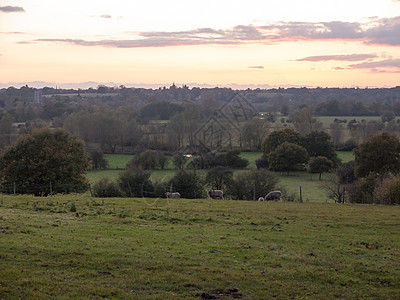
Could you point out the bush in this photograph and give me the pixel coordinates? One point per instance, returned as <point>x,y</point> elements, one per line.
<point>387,191</point>
<point>188,184</point>
<point>349,145</point>
<point>262,163</point>
<point>135,182</point>
<point>252,184</point>
<point>106,188</point>
<point>362,190</point>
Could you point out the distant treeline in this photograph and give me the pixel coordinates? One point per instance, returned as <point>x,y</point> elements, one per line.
<point>120,119</point>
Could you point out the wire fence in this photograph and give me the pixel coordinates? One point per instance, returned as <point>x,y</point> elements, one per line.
<point>43,189</point>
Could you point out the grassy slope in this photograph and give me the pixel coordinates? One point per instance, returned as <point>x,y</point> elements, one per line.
<point>140,248</point>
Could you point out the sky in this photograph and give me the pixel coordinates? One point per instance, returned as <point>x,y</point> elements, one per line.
<point>235,43</point>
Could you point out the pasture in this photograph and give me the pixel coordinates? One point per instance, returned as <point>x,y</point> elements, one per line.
<point>310,185</point>
<point>76,247</point>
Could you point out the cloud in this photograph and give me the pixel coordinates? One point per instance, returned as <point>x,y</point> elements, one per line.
<point>256,67</point>
<point>378,31</point>
<point>11,9</point>
<point>347,57</point>
<point>387,65</point>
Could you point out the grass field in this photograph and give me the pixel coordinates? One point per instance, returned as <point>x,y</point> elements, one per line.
<point>185,249</point>
<point>309,183</point>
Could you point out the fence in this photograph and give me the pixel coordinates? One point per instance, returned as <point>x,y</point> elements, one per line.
<point>43,189</point>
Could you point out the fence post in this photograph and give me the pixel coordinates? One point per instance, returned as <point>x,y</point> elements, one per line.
<point>301,196</point>
<point>15,189</point>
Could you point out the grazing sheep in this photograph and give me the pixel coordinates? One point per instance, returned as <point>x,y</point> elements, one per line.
<point>274,195</point>
<point>172,195</point>
<point>216,194</point>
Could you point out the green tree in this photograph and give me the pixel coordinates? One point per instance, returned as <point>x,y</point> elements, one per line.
<point>288,157</point>
<point>219,177</point>
<point>42,158</point>
<point>318,143</point>
<point>98,161</point>
<point>179,161</point>
<point>188,184</point>
<point>135,182</point>
<point>379,154</point>
<point>278,137</point>
<point>320,164</point>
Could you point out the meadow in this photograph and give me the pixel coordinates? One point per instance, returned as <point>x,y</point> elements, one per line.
<point>77,247</point>
<point>310,184</point>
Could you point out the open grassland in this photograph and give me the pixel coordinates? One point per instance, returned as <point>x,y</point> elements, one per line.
<point>182,249</point>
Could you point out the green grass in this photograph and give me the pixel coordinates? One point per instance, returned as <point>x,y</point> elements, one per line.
<point>310,184</point>
<point>182,249</point>
<point>345,156</point>
<point>117,161</point>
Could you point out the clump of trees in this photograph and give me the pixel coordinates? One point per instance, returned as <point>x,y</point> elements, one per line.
<point>46,161</point>
<point>373,177</point>
<point>287,150</point>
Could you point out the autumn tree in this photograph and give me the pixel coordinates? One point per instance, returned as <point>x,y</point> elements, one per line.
<point>43,158</point>
<point>379,154</point>
<point>304,121</point>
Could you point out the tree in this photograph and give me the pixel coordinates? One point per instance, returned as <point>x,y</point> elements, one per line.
<point>98,160</point>
<point>387,116</point>
<point>335,189</point>
<point>188,184</point>
<point>219,177</point>
<point>288,157</point>
<point>252,184</point>
<point>304,122</point>
<point>135,182</point>
<point>318,143</point>
<point>278,137</point>
<point>43,158</point>
<point>320,164</point>
<point>147,160</point>
<point>179,161</point>
<point>253,133</point>
<point>379,154</point>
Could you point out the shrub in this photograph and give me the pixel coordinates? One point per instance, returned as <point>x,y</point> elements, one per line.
<point>252,184</point>
<point>262,163</point>
<point>387,191</point>
<point>362,190</point>
<point>188,184</point>
<point>106,188</point>
<point>135,182</point>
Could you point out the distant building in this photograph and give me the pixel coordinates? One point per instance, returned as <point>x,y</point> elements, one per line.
<point>38,96</point>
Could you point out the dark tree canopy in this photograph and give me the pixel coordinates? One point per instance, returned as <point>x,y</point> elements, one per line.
<point>318,143</point>
<point>288,157</point>
<point>44,157</point>
<point>252,184</point>
<point>278,137</point>
<point>379,154</point>
<point>320,164</point>
<point>219,177</point>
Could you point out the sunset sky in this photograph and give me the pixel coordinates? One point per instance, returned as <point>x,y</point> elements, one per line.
<point>247,43</point>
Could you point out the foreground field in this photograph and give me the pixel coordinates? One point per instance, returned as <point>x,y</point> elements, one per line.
<point>75,247</point>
